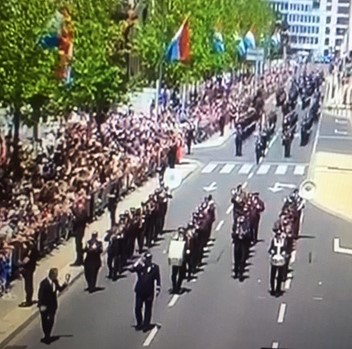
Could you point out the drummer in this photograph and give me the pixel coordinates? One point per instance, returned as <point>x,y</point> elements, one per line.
<point>177,261</point>
<point>278,254</point>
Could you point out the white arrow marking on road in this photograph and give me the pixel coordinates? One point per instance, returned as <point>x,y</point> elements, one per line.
<point>275,345</point>
<point>341,122</point>
<point>211,187</point>
<point>282,310</point>
<point>173,300</point>
<point>150,337</point>
<point>339,249</point>
<point>221,223</point>
<point>343,133</point>
<point>279,186</point>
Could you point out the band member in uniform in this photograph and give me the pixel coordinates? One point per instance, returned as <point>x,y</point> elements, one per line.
<point>47,301</point>
<point>92,262</point>
<point>148,275</point>
<point>259,150</point>
<point>239,140</point>
<point>286,141</point>
<point>277,253</point>
<point>178,269</point>
<point>240,232</point>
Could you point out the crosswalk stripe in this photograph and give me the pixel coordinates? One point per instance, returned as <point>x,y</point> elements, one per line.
<point>263,169</point>
<point>281,170</point>
<point>299,170</point>
<point>209,168</point>
<point>227,168</point>
<point>245,169</point>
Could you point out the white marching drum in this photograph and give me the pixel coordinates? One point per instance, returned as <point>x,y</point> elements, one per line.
<point>176,252</point>
<point>278,260</point>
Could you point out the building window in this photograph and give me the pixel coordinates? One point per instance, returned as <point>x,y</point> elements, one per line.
<point>328,20</point>
<point>326,52</point>
<point>286,6</point>
<point>340,31</point>
<point>328,8</point>
<point>342,20</point>
<point>318,19</point>
<point>327,42</point>
<point>327,30</point>
<point>345,10</point>
<point>344,1</point>
<point>338,42</point>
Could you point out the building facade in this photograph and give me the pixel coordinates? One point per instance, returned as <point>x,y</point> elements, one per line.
<point>316,26</point>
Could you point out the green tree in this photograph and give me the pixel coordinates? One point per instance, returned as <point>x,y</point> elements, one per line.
<point>98,81</point>
<point>26,70</point>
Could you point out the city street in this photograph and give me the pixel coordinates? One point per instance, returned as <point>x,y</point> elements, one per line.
<point>216,311</point>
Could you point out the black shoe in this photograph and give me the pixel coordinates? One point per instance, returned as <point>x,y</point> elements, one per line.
<point>147,328</point>
<point>25,304</point>
<point>139,327</point>
<point>46,340</point>
<point>76,264</point>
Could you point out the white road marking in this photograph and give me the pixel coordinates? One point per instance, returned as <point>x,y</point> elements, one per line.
<point>229,209</point>
<point>341,122</point>
<point>299,170</point>
<point>244,185</point>
<point>340,138</point>
<point>318,298</point>
<point>339,249</point>
<point>219,226</point>
<point>173,300</point>
<point>281,170</point>
<point>343,133</point>
<point>250,175</point>
<point>275,345</point>
<point>273,140</point>
<point>263,169</point>
<point>150,337</point>
<point>227,168</point>
<point>282,310</point>
<point>245,169</point>
<point>315,144</point>
<point>209,168</point>
<point>320,283</point>
<point>288,284</point>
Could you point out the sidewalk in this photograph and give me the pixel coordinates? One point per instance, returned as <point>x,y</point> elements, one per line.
<point>332,175</point>
<point>14,319</point>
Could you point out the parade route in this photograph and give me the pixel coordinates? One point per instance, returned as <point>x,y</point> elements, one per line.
<point>215,310</point>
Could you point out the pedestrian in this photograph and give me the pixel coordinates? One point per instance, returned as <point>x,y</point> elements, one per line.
<point>92,262</point>
<point>27,269</point>
<point>47,301</point>
<point>148,275</point>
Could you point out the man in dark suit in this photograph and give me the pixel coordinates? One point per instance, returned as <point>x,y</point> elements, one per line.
<point>147,275</point>
<point>47,301</point>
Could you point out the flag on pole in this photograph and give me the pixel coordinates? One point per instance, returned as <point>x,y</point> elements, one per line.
<point>249,40</point>
<point>179,48</point>
<point>52,32</point>
<point>218,43</point>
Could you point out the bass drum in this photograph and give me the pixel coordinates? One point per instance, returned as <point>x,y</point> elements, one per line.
<point>277,260</point>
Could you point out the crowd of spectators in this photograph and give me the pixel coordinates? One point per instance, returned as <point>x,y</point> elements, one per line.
<point>80,158</point>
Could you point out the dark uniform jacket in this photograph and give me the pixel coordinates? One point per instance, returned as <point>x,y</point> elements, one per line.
<point>47,295</point>
<point>147,276</point>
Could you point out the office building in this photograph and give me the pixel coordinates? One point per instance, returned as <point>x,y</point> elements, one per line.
<point>316,26</point>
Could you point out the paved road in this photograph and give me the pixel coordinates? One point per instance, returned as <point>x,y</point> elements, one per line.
<point>219,312</point>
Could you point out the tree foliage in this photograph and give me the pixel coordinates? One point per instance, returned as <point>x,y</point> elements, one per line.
<point>206,16</point>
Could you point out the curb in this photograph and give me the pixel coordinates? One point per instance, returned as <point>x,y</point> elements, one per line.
<point>330,211</point>
<point>35,313</point>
